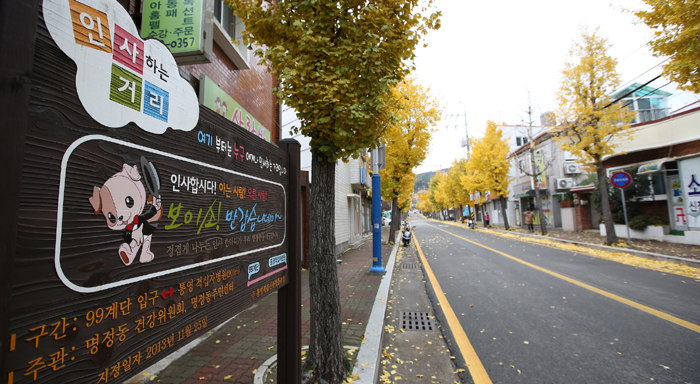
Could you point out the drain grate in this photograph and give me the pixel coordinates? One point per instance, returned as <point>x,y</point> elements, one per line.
<point>417,321</point>
<point>410,266</point>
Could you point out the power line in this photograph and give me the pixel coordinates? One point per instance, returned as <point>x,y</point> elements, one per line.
<point>645,72</point>
<point>631,92</point>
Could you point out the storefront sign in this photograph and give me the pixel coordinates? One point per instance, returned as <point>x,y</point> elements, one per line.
<point>176,23</point>
<point>184,26</point>
<point>540,165</point>
<point>120,78</point>
<point>216,99</point>
<point>689,170</point>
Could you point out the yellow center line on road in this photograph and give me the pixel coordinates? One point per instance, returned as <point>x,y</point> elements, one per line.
<point>641,307</point>
<point>476,369</point>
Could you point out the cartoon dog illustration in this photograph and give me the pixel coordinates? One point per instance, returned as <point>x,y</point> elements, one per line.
<point>125,205</point>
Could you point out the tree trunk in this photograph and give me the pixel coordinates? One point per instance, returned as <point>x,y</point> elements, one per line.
<point>395,220</point>
<point>503,212</point>
<point>326,355</point>
<point>540,211</point>
<point>610,235</point>
<point>461,210</point>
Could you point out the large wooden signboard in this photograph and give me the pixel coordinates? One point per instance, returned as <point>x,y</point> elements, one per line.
<point>140,226</point>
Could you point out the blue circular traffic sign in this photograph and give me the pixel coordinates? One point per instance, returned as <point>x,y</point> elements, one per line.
<point>621,179</point>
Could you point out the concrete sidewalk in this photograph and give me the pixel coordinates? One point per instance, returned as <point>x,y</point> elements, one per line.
<point>235,351</point>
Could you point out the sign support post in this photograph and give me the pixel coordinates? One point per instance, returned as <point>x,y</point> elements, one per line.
<point>377,266</point>
<point>624,210</point>
<point>623,180</point>
<point>289,296</point>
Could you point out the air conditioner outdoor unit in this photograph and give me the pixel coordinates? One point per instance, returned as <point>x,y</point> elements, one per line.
<point>572,169</point>
<point>565,183</point>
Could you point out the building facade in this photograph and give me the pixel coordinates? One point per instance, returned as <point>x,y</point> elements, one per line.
<point>353,203</point>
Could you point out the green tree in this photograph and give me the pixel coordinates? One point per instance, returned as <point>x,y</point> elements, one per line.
<point>407,139</point>
<point>588,120</point>
<point>676,26</point>
<point>488,167</point>
<point>335,62</point>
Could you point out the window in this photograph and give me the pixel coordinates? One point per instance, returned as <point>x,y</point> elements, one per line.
<point>524,166</point>
<point>224,15</point>
<point>228,34</point>
<point>521,141</point>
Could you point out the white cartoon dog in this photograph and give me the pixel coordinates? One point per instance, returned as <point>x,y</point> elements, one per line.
<point>125,205</point>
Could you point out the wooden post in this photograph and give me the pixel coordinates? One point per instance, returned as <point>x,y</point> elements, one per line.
<point>305,213</point>
<point>289,296</point>
<point>18,20</point>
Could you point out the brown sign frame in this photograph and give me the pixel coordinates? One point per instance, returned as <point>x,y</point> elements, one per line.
<point>44,323</point>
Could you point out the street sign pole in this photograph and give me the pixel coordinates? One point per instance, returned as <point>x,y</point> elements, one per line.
<point>623,180</point>
<point>624,210</point>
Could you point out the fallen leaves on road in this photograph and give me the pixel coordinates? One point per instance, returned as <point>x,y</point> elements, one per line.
<point>624,258</point>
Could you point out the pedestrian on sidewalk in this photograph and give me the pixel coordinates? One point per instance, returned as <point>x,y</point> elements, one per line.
<point>487,218</point>
<point>529,214</point>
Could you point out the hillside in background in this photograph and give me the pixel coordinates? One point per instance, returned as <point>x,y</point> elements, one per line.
<point>423,180</point>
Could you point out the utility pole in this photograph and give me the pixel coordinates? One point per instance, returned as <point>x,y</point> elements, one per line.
<point>465,141</point>
<point>535,173</point>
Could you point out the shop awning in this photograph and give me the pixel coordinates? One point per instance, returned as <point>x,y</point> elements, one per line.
<point>583,188</point>
<point>654,166</point>
<point>531,193</point>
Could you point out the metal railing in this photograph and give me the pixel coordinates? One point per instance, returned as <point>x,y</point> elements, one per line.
<point>644,115</point>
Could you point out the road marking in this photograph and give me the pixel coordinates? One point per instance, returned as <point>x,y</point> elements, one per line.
<point>641,307</point>
<point>476,369</point>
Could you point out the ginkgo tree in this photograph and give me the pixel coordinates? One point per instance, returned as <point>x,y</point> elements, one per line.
<point>335,62</point>
<point>676,26</point>
<point>435,195</point>
<point>456,194</point>
<point>588,118</point>
<point>488,167</point>
<point>407,139</point>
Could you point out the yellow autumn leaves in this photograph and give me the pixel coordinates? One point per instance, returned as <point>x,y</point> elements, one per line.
<point>407,138</point>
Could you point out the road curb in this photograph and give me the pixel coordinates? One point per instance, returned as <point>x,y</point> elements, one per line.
<point>644,254</point>
<point>367,362</point>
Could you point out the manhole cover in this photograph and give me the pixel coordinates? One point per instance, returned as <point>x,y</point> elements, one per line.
<point>409,266</point>
<point>417,321</point>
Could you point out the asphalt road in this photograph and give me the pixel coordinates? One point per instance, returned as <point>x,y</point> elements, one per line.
<point>529,326</point>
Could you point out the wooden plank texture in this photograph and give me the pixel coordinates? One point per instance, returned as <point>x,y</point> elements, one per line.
<point>85,316</point>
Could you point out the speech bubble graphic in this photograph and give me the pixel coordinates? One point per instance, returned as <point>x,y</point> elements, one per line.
<point>279,259</point>
<point>253,269</point>
<point>121,78</point>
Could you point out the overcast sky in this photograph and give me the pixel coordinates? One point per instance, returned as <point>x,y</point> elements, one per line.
<point>488,54</point>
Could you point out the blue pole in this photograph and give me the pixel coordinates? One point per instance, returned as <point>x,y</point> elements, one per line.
<point>376,225</point>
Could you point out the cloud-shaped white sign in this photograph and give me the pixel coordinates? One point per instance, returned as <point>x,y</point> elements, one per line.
<point>121,78</point>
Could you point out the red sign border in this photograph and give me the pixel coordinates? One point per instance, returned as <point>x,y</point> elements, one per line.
<point>617,173</point>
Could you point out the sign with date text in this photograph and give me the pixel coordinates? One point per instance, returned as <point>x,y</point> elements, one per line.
<point>139,228</point>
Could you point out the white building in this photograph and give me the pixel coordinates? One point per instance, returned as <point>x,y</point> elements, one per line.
<point>353,205</point>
